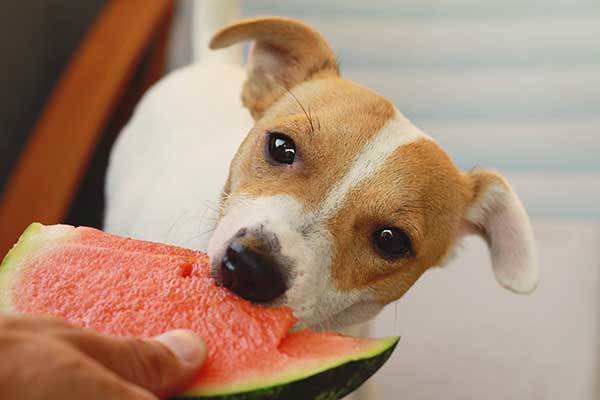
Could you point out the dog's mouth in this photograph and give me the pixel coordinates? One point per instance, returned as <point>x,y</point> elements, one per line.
<point>352,314</point>
<point>273,293</point>
<point>271,263</point>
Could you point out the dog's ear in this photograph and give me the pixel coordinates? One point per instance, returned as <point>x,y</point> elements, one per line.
<point>285,53</point>
<point>496,213</point>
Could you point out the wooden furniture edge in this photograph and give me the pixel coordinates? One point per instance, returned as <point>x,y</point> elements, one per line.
<point>47,174</point>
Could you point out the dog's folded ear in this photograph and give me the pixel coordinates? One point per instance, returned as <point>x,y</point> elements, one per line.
<point>285,53</point>
<point>496,213</point>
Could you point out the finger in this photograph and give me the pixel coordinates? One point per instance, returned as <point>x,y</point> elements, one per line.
<point>164,365</point>
<point>33,323</point>
<point>93,381</point>
<point>47,368</point>
<point>127,391</point>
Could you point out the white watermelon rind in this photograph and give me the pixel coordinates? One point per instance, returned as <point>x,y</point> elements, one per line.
<point>30,244</point>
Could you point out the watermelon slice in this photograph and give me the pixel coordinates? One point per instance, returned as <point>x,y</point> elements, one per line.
<point>128,287</point>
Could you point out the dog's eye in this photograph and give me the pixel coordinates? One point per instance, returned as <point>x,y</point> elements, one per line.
<point>393,242</point>
<point>281,148</point>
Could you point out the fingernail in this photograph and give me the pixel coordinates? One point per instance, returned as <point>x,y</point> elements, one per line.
<point>186,345</point>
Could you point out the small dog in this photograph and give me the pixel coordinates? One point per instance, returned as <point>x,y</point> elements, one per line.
<point>334,204</point>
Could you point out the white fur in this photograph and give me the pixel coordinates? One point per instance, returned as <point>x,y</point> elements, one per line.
<point>502,220</point>
<point>397,132</point>
<point>171,161</point>
<point>285,217</point>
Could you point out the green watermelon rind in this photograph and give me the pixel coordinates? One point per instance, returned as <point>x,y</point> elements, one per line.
<point>32,240</point>
<point>331,380</point>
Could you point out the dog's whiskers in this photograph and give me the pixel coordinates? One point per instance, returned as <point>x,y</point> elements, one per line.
<point>306,113</point>
<point>211,229</point>
<point>188,213</point>
<point>215,207</point>
<point>186,243</point>
<point>204,219</point>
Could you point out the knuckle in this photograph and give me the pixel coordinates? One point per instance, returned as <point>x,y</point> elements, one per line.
<point>149,365</point>
<point>70,363</point>
<point>62,360</point>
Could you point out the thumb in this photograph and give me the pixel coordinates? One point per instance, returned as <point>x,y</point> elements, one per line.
<point>163,365</point>
<point>187,353</point>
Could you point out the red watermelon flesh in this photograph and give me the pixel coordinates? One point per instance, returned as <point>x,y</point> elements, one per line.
<point>129,287</point>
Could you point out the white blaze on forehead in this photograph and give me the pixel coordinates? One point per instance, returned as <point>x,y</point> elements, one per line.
<point>398,131</point>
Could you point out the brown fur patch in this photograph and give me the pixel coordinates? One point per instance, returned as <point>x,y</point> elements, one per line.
<point>420,191</point>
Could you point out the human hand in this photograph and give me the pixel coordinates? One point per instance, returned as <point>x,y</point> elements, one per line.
<point>48,358</point>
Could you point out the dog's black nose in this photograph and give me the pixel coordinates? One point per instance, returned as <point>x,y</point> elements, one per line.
<point>251,275</point>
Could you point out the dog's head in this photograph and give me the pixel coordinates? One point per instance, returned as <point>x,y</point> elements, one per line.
<point>335,203</point>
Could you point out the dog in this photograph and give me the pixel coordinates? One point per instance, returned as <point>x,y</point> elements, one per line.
<point>334,203</point>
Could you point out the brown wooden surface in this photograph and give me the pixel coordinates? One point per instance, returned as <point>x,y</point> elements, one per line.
<point>61,144</point>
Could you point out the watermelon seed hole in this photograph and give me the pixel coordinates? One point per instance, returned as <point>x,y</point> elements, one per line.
<point>185,270</point>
